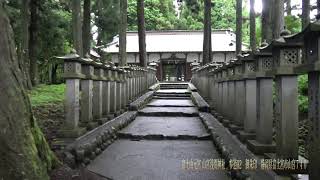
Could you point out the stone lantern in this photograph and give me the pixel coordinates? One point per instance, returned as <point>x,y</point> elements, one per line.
<point>286,52</point>
<point>98,90</point>
<point>113,90</point>
<point>250,98</point>
<point>86,100</point>
<point>72,75</point>
<point>106,91</point>
<point>263,142</point>
<point>311,65</point>
<point>229,94</point>
<point>239,94</point>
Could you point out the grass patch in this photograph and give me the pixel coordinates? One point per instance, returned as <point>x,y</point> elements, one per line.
<point>47,94</point>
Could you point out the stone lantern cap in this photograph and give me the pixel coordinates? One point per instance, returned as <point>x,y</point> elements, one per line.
<point>194,64</point>
<point>153,64</point>
<point>72,57</point>
<point>72,66</point>
<point>286,51</point>
<point>264,60</point>
<point>310,38</point>
<point>87,60</point>
<point>250,66</point>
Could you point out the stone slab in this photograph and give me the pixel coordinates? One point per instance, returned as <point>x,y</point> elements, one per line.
<point>244,136</point>
<point>166,126</point>
<point>171,103</point>
<point>169,111</point>
<point>259,148</point>
<point>158,160</point>
<point>174,91</point>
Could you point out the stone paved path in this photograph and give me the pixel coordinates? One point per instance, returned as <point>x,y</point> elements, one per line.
<point>166,132</point>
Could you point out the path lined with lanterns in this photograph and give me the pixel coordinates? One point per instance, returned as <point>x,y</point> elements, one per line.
<point>146,129</point>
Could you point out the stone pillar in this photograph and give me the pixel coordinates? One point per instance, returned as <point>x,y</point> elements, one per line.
<point>240,104</point>
<point>250,98</point>
<point>123,90</point>
<point>131,86</point>
<point>118,92</point>
<point>263,142</point>
<point>98,93</point>
<point>314,118</point>
<point>286,115</point>
<point>106,92</point>
<point>113,93</point>
<point>86,100</point>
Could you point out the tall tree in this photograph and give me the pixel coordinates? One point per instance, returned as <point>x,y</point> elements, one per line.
<point>252,26</point>
<point>278,18</point>
<point>266,20</point>
<point>86,28</point>
<point>123,33</point>
<point>141,33</point>
<point>24,151</point>
<point>34,41</point>
<point>76,26</point>
<point>24,61</point>
<point>239,26</point>
<point>305,13</point>
<point>207,45</point>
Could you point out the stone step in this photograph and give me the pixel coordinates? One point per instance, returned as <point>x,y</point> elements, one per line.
<point>171,95</point>
<point>166,97</point>
<point>171,103</point>
<point>154,159</point>
<point>154,127</point>
<point>169,111</point>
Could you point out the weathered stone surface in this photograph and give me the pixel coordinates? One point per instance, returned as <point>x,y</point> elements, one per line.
<point>169,111</point>
<point>200,102</point>
<point>171,103</point>
<point>235,149</point>
<point>159,160</point>
<point>166,126</point>
<point>94,139</point>
<point>141,101</point>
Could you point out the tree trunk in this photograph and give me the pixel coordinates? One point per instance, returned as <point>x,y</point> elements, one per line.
<point>305,13</point>
<point>288,7</point>
<point>24,151</point>
<point>207,47</point>
<point>239,27</point>
<point>252,26</point>
<point>266,20</point>
<point>77,27</point>
<point>34,41</point>
<point>86,36</point>
<point>24,61</point>
<point>123,33</point>
<point>142,33</point>
<point>318,9</point>
<point>278,19</point>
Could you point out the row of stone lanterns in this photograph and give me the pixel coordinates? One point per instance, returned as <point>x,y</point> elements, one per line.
<point>97,92</point>
<point>241,93</point>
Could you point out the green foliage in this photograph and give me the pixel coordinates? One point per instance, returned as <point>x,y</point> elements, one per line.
<point>106,19</point>
<point>293,24</point>
<point>303,93</point>
<point>47,94</point>
<point>159,15</point>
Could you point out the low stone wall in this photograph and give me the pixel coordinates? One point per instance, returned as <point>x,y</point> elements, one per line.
<point>141,101</point>
<point>87,147</point>
<point>202,105</point>
<point>231,149</point>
